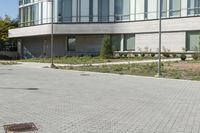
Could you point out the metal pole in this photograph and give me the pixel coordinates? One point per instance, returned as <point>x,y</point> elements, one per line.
<point>160,40</point>
<point>52,37</point>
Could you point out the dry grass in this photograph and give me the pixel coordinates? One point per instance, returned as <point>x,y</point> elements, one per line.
<point>189,70</point>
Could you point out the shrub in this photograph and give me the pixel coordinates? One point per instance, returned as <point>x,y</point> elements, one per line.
<point>120,54</point>
<point>153,54</point>
<point>174,55</point>
<point>125,55</point>
<point>106,49</point>
<point>5,57</point>
<point>130,55</point>
<point>117,55</point>
<point>167,55</point>
<point>195,56</point>
<point>183,57</point>
<point>136,55</point>
<point>166,52</point>
<point>142,54</point>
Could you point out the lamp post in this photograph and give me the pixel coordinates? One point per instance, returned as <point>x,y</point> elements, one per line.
<point>160,40</point>
<point>52,37</point>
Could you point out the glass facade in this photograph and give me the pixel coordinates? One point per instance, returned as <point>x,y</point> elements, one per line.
<point>103,10</point>
<point>174,8</point>
<point>129,42</point>
<point>34,12</point>
<point>91,10</point>
<point>145,9</point>
<point>126,40</point>
<point>193,7</point>
<point>66,6</point>
<point>193,40</point>
<point>71,44</point>
<point>116,42</point>
<point>163,8</point>
<point>122,10</point>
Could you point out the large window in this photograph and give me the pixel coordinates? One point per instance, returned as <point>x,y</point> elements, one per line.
<point>116,42</point>
<point>64,10</point>
<point>129,42</point>
<point>59,10</point>
<point>71,44</point>
<point>84,10</point>
<point>28,15</point>
<point>67,11</point>
<point>103,10</point>
<point>150,9</point>
<point>175,8</point>
<point>27,1</point>
<point>193,39</point>
<point>145,9</point>
<point>163,8</point>
<point>35,14</point>
<point>91,10</point>
<point>193,7</point>
<point>20,2</point>
<point>122,10</point>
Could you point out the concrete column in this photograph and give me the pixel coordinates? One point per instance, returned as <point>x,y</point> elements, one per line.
<point>168,4</point>
<point>122,43</point>
<point>20,49</point>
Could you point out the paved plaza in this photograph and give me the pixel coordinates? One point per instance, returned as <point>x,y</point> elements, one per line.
<point>59,101</point>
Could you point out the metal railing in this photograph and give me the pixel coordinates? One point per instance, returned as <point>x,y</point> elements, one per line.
<point>115,18</point>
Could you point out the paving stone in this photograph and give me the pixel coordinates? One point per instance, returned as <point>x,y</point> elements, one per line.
<point>67,102</point>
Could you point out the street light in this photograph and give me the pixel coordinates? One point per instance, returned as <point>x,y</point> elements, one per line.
<point>160,40</point>
<point>52,37</point>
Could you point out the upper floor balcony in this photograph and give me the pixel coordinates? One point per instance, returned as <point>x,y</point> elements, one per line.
<point>37,12</point>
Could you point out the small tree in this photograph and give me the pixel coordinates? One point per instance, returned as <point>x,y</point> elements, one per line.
<point>106,48</point>
<point>6,23</point>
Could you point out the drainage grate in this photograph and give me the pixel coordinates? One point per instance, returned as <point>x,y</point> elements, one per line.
<point>85,74</point>
<point>10,88</point>
<point>23,127</point>
<point>32,89</point>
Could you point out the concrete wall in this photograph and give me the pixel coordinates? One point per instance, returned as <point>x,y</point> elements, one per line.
<point>168,25</point>
<point>37,46</point>
<point>174,41</point>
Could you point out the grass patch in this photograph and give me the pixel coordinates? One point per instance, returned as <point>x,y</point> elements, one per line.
<point>132,69</point>
<point>189,70</point>
<point>8,62</point>
<point>85,60</point>
<point>66,60</point>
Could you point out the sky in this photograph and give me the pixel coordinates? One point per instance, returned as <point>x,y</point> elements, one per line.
<point>9,7</point>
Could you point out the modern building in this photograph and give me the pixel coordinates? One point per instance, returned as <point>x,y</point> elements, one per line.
<point>80,25</point>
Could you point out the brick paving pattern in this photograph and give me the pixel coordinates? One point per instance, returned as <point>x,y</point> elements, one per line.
<point>71,102</point>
